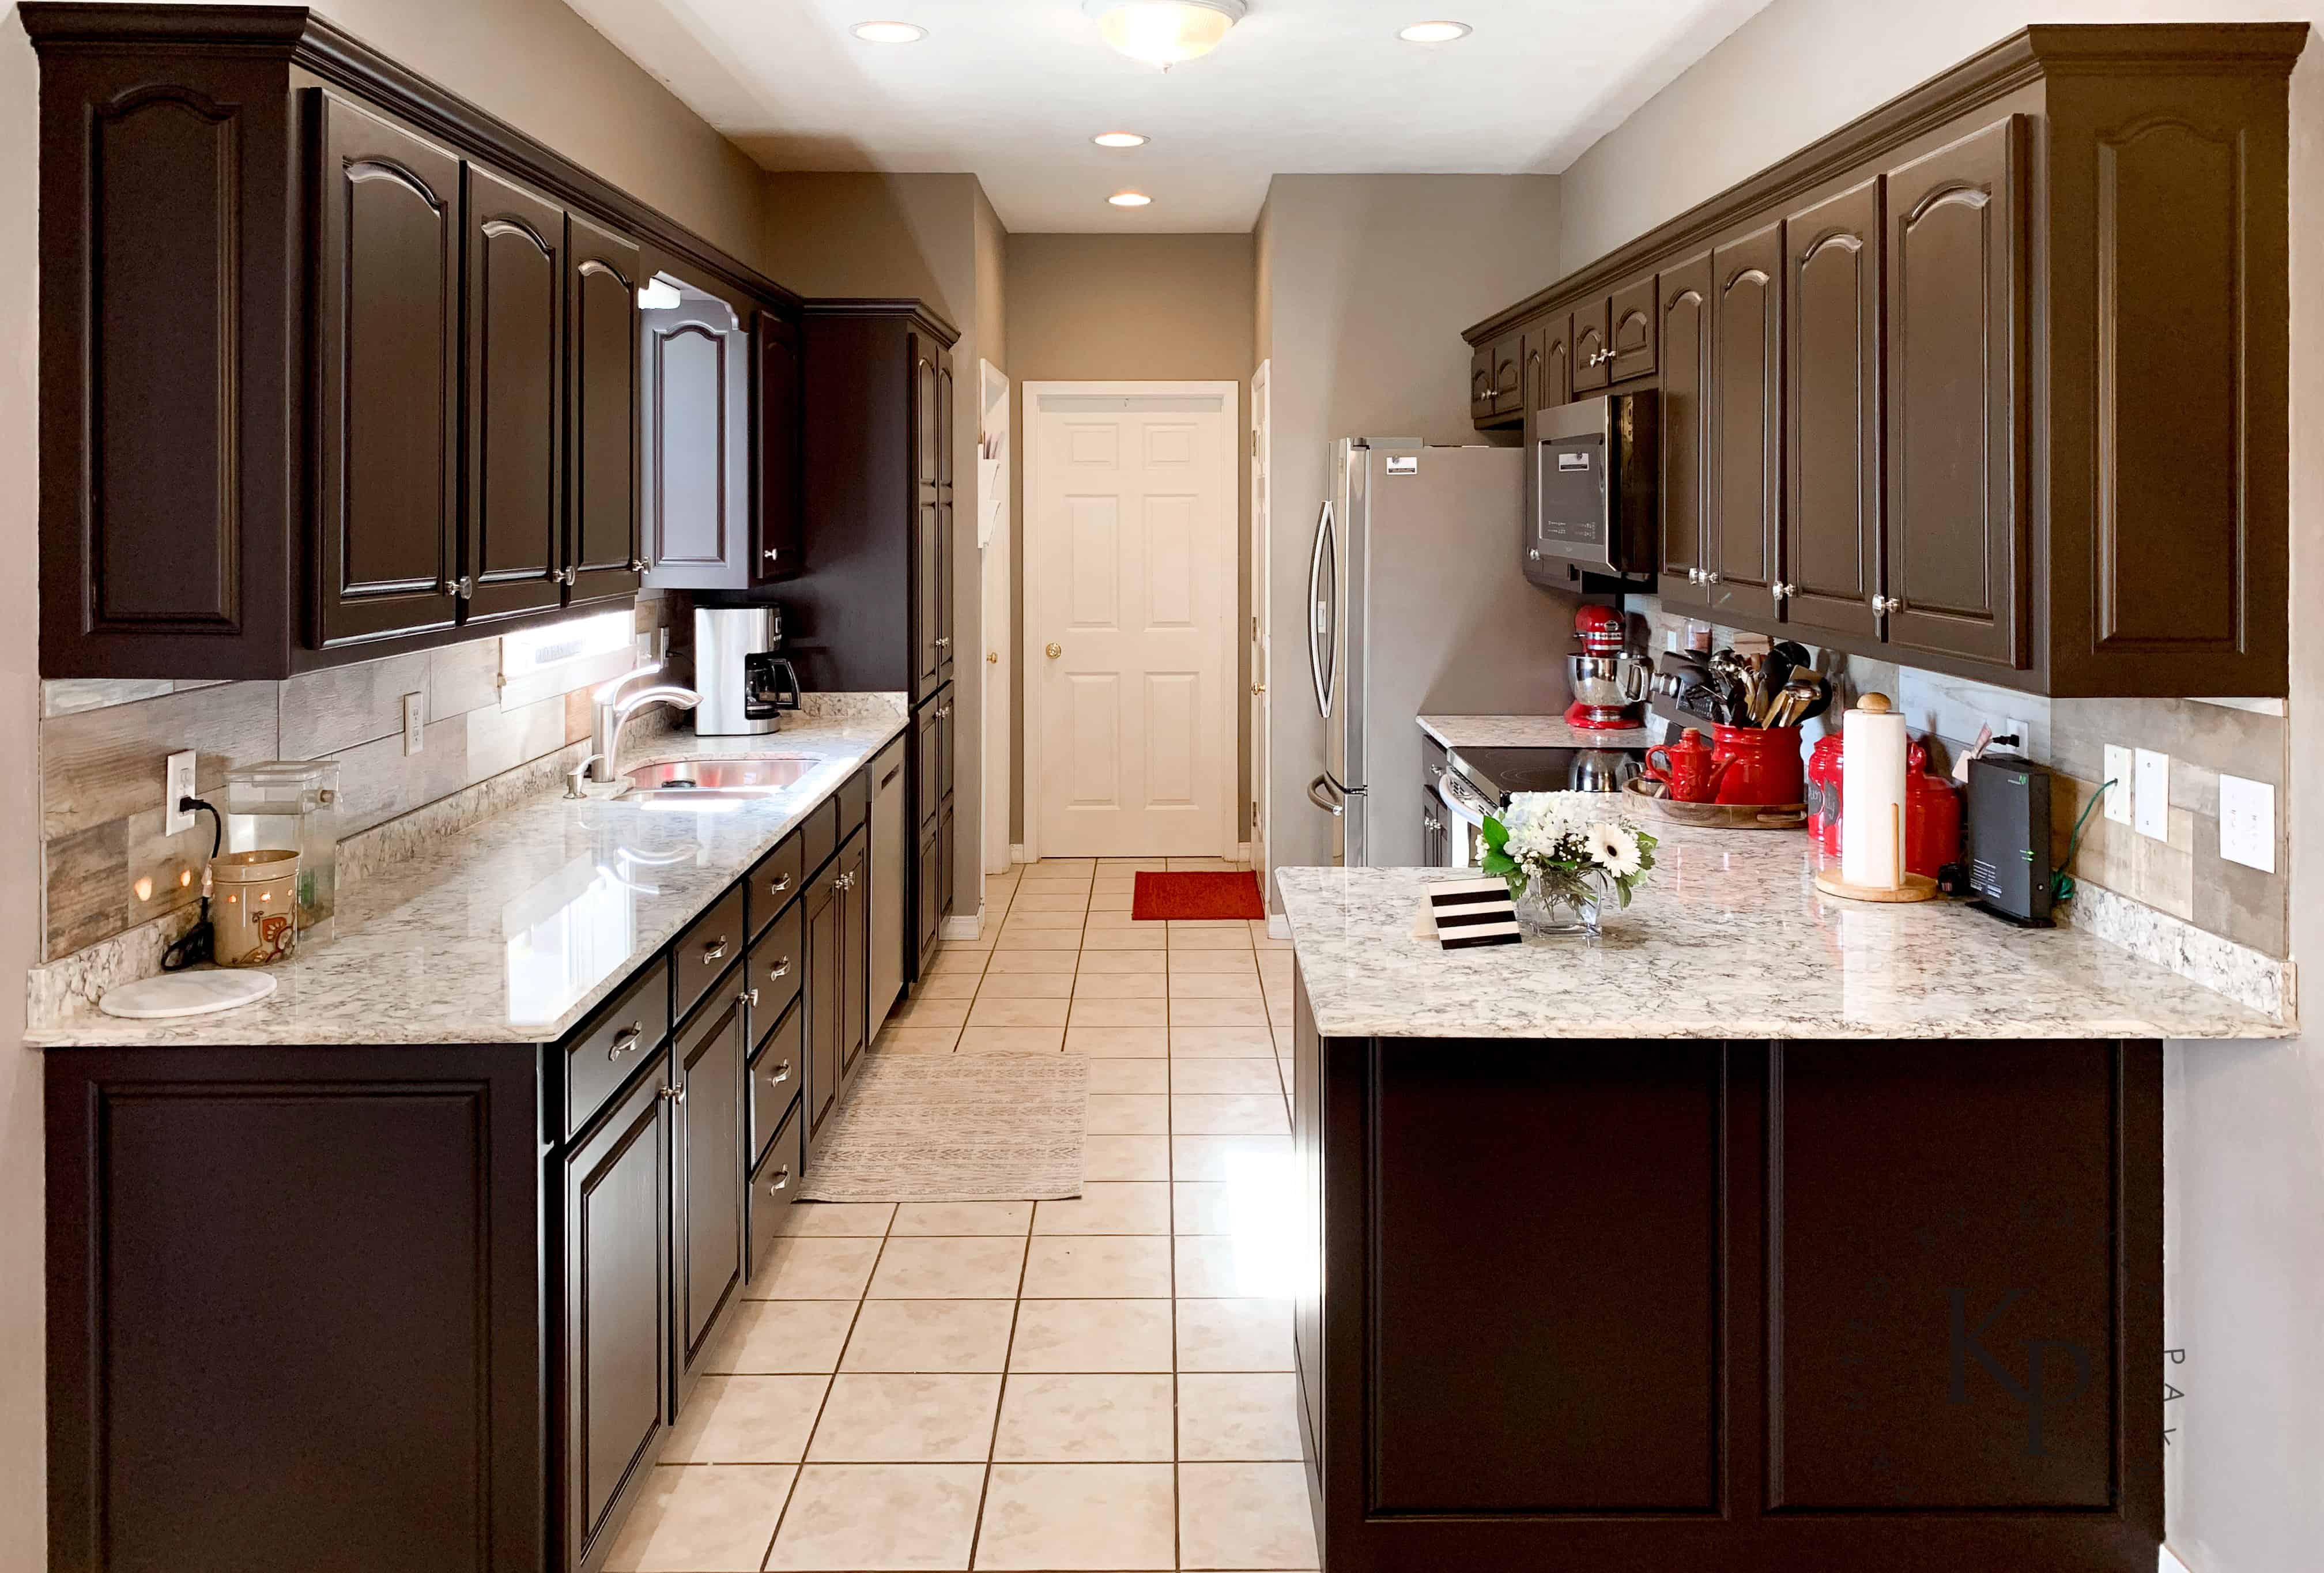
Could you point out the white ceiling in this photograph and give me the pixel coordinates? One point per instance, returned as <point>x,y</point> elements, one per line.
<point>1012,90</point>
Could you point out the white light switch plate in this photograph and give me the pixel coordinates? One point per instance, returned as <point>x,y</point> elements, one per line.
<point>415,723</point>
<point>2248,823</point>
<point>2117,770</point>
<point>2151,804</point>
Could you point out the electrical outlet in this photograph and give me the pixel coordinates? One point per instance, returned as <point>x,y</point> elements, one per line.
<point>2248,823</point>
<point>2149,805</point>
<point>177,783</point>
<point>415,723</point>
<point>2117,770</point>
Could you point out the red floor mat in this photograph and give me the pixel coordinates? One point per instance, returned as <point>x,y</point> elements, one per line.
<point>1188,897</point>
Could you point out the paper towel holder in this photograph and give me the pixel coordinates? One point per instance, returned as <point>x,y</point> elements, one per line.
<point>1911,887</point>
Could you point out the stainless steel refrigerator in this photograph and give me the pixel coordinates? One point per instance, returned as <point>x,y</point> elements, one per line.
<point>1417,605</point>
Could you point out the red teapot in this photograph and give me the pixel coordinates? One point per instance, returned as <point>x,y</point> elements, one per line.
<point>1687,769</point>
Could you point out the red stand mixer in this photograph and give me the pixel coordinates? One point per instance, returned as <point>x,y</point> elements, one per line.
<point>1609,684</point>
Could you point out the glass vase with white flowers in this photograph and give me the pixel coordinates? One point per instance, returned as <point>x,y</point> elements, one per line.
<point>1564,854</point>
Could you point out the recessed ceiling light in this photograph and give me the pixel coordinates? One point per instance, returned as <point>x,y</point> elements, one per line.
<point>1434,32</point>
<point>1119,139</point>
<point>1129,199</point>
<point>1163,32</point>
<point>888,32</point>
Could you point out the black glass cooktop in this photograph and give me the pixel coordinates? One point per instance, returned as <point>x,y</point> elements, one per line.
<point>1499,772</point>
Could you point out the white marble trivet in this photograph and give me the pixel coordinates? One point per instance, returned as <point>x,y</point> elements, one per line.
<point>176,993</point>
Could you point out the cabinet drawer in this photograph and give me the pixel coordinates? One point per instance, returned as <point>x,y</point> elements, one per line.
<point>776,1076</point>
<point>603,1055</point>
<point>819,836</point>
<point>773,1184</point>
<point>771,886</point>
<point>711,945</point>
<point>776,965</point>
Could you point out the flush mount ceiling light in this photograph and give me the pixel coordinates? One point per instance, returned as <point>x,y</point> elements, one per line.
<point>1434,32</point>
<point>1163,32</point>
<point>1129,199</point>
<point>1119,139</point>
<point>888,32</point>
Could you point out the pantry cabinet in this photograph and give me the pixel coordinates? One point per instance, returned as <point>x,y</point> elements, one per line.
<point>334,364</point>
<point>1992,381</point>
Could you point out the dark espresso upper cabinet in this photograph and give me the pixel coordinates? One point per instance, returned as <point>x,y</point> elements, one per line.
<point>604,553</point>
<point>697,359</point>
<point>388,403</point>
<point>1996,377</point>
<point>514,556</point>
<point>334,364</point>
<point>1831,414</point>
<point>1554,384</point>
<point>781,389</point>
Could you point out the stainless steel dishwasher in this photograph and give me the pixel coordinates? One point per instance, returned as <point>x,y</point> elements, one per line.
<point>892,854</point>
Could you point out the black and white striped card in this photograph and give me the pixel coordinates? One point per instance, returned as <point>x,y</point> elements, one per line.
<point>1473,912</point>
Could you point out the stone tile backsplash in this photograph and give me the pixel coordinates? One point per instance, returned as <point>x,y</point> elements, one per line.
<point>107,866</point>
<point>2183,877</point>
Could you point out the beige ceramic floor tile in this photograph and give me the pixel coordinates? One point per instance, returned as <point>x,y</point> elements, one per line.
<point>1120,1115</point>
<point>1255,1077</point>
<point>1234,1335</point>
<point>921,1418</point>
<point>1026,985</point>
<point>850,1516</point>
<point>1243,1417</point>
<point>1213,985</point>
<point>1098,1268</point>
<point>1245,1516</point>
<point>1105,900</point>
<point>1092,1335</point>
<point>1238,962</point>
<point>746,1420</point>
<point>1084,1419</point>
<point>993,1010</point>
<point>930,1334</point>
<point>1209,939</point>
<point>1106,961</point>
<point>1108,1207</point>
<point>1011,1040</point>
<point>951,962</point>
<point>1006,963</point>
<point>962,1218</point>
<point>808,1268</point>
<point>1217,1013</point>
<point>924,1040</point>
<point>948,1269</point>
<point>1088,1012</point>
<point>1118,1043</point>
<point>1261,1162</point>
<point>930,1012</point>
<point>769,1338</point>
<point>1118,1075</point>
<point>1122,985</point>
<point>1237,1266</point>
<point>862,1218</point>
<point>1107,1157</point>
<point>959,985</point>
<point>1190,1041</point>
<point>1038,939</point>
<point>690,1520</point>
<point>1059,1517</point>
<point>1031,923</point>
<point>1042,900</point>
<point>1146,938</point>
<point>1206,1115</point>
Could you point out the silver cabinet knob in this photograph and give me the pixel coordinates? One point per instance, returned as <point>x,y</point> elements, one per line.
<point>1709,577</point>
<point>1533,554</point>
<point>749,997</point>
<point>674,1094</point>
<point>628,1038</point>
<point>772,554</point>
<point>464,587</point>
<point>1884,604</point>
<point>1431,823</point>
<point>781,1182</point>
<point>779,1074</point>
<point>1780,591</point>
<point>944,644</point>
<point>638,565</point>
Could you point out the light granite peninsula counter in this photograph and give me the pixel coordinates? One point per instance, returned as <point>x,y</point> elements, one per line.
<point>415,1263</point>
<point>1767,1231</point>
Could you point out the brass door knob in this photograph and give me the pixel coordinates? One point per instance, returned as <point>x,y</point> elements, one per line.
<point>1056,649</point>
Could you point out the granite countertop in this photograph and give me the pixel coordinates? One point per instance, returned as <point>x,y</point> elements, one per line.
<point>512,930</point>
<point>1530,731</point>
<point>1729,938</point>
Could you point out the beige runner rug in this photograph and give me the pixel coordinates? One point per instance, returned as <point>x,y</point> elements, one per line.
<point>955,1128</point>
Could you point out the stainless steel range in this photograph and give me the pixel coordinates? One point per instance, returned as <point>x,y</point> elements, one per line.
<point>1482,781</point>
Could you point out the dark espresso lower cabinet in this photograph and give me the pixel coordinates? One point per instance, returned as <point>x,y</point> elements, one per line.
<point>709,1096</point>
<point>1765,1306</point>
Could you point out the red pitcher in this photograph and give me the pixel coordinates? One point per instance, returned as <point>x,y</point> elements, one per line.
<point>1687,767</point>
<point>1763,765</point>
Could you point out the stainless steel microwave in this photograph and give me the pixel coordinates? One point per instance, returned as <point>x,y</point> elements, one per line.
<point>1593,487</point>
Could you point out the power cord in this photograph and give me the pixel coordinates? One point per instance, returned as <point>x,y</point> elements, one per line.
<point>2062,884</point>
<point>200,940</point>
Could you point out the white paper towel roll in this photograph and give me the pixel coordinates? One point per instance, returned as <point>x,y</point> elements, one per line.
<point>1872,795</point>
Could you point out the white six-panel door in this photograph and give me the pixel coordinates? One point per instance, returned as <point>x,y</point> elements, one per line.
<point>1130,618</point>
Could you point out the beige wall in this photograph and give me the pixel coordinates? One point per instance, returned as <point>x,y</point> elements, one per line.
<point>1366,282</point>
<point>2244,1182</point>
<point>1132,307</point>
<point>935,238</point>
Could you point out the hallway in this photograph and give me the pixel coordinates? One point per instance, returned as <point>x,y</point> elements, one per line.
<point>1102,1384</point>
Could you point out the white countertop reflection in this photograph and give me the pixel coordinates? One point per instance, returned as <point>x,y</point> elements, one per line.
<point>1730,938</point>
<point>511,930</point>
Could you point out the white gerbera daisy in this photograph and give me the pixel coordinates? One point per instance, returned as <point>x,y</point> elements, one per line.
<point>1614,850</point>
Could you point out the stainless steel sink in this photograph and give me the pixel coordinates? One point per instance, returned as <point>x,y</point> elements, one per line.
<point>754,776</point>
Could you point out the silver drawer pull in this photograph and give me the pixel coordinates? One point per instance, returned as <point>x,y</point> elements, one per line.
<point>628,1038</point>
<point>749,997</point>
<point>779,884</point>
<point>782,1181</point>
<point>675,1094</point>
<point>779,1074</point>
<point>780,970</point>
<point>715,949</point>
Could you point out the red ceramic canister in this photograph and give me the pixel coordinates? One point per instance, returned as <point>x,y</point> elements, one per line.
<point>1933,816</point>
<point>1763,765</point>
<point>1823,792</point>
